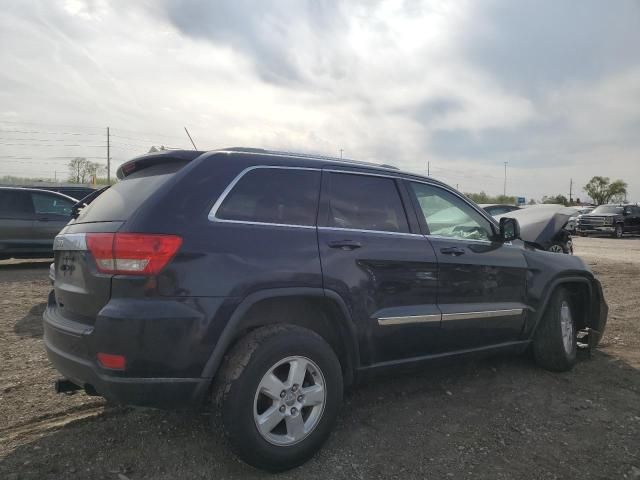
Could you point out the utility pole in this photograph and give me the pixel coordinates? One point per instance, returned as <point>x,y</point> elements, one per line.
<point>341,150</point>
<point>504,192</point>
<point>108,158</point>
<point>570,191</point>
<point>428,169</point>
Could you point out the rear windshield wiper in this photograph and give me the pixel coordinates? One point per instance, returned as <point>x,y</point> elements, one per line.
<point>76,207</point>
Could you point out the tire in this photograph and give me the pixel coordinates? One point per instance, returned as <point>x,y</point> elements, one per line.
<point>618,232</point>
<point>555,341</point>
<point>243,399</point>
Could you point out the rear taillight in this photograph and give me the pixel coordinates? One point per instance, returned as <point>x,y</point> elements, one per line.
<point>132,253</point>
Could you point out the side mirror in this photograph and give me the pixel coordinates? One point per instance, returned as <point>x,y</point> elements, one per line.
<point>509,229</point>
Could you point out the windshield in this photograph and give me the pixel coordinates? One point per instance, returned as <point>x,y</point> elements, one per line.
<point>608,209</point>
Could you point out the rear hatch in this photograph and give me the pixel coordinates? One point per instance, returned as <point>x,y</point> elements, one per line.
<point>84,264</point>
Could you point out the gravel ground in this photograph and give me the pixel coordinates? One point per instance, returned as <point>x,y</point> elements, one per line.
<point>496,418</point>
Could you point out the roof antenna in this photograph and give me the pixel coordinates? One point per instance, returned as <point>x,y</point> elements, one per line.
<point>191,139</point>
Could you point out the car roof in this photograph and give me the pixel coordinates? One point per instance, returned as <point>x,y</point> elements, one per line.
<point>39,190</point>
<point>294,158</point>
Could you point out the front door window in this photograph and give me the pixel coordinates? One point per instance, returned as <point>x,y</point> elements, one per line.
<point>449,216</point>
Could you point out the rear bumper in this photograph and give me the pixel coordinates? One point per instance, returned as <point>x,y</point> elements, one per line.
<point>163,341</point>
<point>149,392</point>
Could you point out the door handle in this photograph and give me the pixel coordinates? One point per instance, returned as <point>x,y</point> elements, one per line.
<point>455,251</point>
<point>344,244</point>
<point>43,219</point>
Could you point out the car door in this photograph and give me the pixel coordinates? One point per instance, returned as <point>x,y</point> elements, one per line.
<point>373,256</point>
<point>16,220</point>
<point>481,281</point>
<point>51,214</point>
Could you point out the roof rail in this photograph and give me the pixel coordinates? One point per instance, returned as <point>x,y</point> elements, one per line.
<point>307,155</point>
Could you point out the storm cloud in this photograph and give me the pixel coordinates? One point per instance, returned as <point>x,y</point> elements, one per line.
<point>550,87</point>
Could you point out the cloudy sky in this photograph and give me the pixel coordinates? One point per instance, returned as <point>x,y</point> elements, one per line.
<point>550,86</point>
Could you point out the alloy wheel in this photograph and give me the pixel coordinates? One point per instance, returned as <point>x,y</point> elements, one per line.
<point>555,248</point>
<point>289,401</point>
<point>566,324</point>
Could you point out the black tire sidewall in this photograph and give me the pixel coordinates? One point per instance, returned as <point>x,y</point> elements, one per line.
<point>237,408</point>
<point>549,347</point>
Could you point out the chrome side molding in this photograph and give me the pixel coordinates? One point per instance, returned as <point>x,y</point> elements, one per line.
<point>510,312</point>
<point>385,321</point>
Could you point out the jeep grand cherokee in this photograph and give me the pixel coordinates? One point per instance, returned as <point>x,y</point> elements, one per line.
<point>266,282</point>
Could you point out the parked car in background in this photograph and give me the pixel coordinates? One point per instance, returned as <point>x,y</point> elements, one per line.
<point>75,191</point>
<point>263,283</point>
<point>571,223</point>
<point>615,220</point>
<point>30,219</point>
<point>496,209</point>
<point>543,226</point>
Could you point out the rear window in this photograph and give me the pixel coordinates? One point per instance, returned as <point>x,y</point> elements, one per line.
<point>120,201</point>
<point>284,196</point>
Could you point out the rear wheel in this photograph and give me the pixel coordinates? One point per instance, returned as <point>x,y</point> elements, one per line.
<point>279,394</point>
<point>555,341</point>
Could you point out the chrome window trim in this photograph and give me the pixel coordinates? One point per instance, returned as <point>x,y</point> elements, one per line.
<point>389,321</point>
<point>264,224</point>
<point>444,237</point>
<point>510,312</point>
<point>384,232</point>
<point>70,242</point>
<point>216,206</point>
<point>212,216</point>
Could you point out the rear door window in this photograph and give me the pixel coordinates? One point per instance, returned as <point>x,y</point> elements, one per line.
<point>364,202</point>
<point>283,196</point>
<point>15,204</point>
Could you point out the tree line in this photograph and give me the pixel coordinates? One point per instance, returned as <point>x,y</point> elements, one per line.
<point>601,190</point>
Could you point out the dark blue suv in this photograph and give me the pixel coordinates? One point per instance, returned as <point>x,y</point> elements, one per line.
<point>266,282</point>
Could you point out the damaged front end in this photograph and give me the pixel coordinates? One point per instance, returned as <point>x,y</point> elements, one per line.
<point>543,227</point>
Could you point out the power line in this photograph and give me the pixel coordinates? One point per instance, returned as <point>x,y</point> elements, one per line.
<point>51,125</point>
<point>37,145</point>
<point>40,132</point>
<point>50,158</point>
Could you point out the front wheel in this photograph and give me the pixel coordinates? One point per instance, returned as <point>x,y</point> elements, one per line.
<point>555,342</point>
<point>556,248</point>
<point>279,394</point>
<point>619,231</point>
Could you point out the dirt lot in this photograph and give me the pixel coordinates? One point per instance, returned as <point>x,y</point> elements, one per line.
<point>496,418</point>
